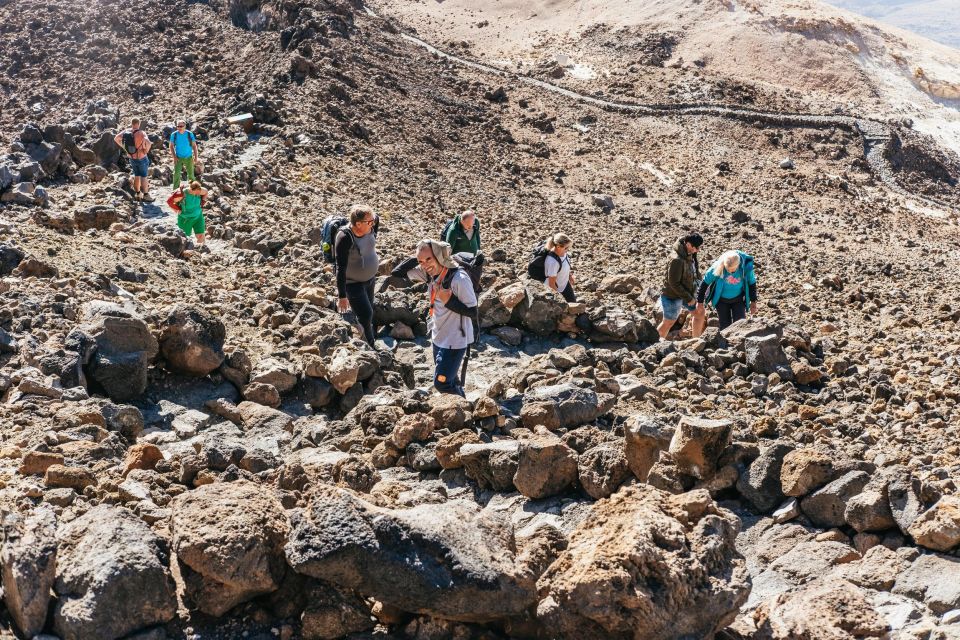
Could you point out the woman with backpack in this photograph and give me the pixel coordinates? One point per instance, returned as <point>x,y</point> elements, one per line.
<point>189,202</point>
<point>357,264</point>
<point>732,287</point>
<point>556,266</point>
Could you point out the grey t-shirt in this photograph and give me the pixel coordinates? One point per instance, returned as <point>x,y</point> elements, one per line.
<point>448,329</point>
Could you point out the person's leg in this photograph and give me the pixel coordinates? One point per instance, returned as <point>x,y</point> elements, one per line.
<point>177,169</point>
<point>360,304</point>
<point>145,181</point>
<point>699,321</point>
<point>188,163</point>
<point>568,293</point>
<point>369,289</point>
<point>671,311</point>
<point>723,314</point>
<point>445,375</point>
<point>738,310</point>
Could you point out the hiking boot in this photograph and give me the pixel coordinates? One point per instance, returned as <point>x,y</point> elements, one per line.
<point>137,195</point>
<point>146,197</point>
<point>203,248</point>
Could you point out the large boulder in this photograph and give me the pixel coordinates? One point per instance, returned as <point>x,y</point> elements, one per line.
<point>28,561</point>
<point>646,564</point>
<point>541,309</point>
<point>228,537</point>
<point>106,150</point>
<point>602,469</point>
<point>645,436</point>
<point>563,406</point>
<point>739,331</point>
<point>112,576</point>
<point>765,355</point>
<point>938,527</point>
<point>826,608</point>
<point>492,465</point>
<point>191,340</point>
<point>826,506</point>
<point>760,483</point>
<point>698,443</point>
<point>545,466</point>
<point>448,560</point>
<point>116,346</point>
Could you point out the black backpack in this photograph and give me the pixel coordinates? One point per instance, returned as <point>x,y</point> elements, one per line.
<point>536,268</point>
<point>331,226</point>
<point>470,263</point>
<point>446,230</point>
<point>129,140</point>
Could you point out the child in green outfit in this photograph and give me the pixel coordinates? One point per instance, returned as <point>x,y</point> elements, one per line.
<point>191,218</point>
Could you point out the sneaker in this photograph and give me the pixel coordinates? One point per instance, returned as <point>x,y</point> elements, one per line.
<point>137,195</point>
<point>146,197</point>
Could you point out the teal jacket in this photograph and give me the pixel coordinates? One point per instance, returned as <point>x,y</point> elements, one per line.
<point>457,237</point>
<point>745,273</point>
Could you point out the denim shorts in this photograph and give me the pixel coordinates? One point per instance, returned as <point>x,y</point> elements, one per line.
<point>140,167</point>
<point>672,307</point>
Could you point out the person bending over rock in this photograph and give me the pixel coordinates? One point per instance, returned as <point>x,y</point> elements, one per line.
<point>463,233</point>
<point>453,308</point>
<point>731,286</point>
<point>556,266</point>
<point>184,151</point>
<point>136,145</point>
<point>680,286</point>
<point>357,263</point>
<point>190,219</point>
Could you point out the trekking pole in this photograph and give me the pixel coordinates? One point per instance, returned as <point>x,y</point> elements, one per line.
<point>463,367</point>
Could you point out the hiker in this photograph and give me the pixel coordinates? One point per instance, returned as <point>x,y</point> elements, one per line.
<point>357,264</point>
<point>463,233</point>
<point>191,201</point>
<point>184,151</point>
<point>731,285</point>
<point>556,266</point>
<point>680,286</point>
<point>136,145</point>
<point>453,311</point>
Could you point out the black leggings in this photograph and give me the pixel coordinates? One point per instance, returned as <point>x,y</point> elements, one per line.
<point>360,297</point>
<point>729,311</point>
<point>568,293</point>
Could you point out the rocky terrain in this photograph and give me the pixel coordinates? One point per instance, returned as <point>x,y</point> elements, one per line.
<point>197,446</point>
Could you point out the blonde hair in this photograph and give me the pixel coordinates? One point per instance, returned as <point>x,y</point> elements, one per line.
<point>195,185</point>
<point>558,240</point>
<point>730,259</point>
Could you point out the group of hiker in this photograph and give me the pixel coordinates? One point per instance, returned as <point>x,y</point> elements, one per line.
<point>189,201</point>
<point>730,286</point>
<point>451,266</point>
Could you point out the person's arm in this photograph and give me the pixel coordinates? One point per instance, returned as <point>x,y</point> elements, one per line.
<point>403,269</point>
<point>708,279</point>
<point>462,298</point>
<point>147,145</point>
<point>173,148</point>
<point>341,252</point>
<point>452,232</point>
<point>551,268</point>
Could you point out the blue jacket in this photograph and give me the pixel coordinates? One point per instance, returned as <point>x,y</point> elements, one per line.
<point>747,277</point>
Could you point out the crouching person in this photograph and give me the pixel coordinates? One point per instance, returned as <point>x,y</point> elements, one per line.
<point>453,308</point>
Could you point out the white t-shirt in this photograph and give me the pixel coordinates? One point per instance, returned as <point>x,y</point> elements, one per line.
<point>559,269</point>
<point>448,329</point>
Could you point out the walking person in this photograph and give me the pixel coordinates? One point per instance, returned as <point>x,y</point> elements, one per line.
<point>731,285</point>
<point>453,311</point>
<point>136,145</point>
<point>556,266</point>
<point>184,151</point>
<point>680,286</point>
<point>190,202</point>
<point>463,233</point>
<point>357,264</point>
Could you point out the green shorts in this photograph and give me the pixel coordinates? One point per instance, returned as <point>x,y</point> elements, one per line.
<point>193,224</point>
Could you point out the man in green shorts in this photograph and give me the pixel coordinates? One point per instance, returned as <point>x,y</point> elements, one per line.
<point>183,149</point>
<point>191,220</point>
